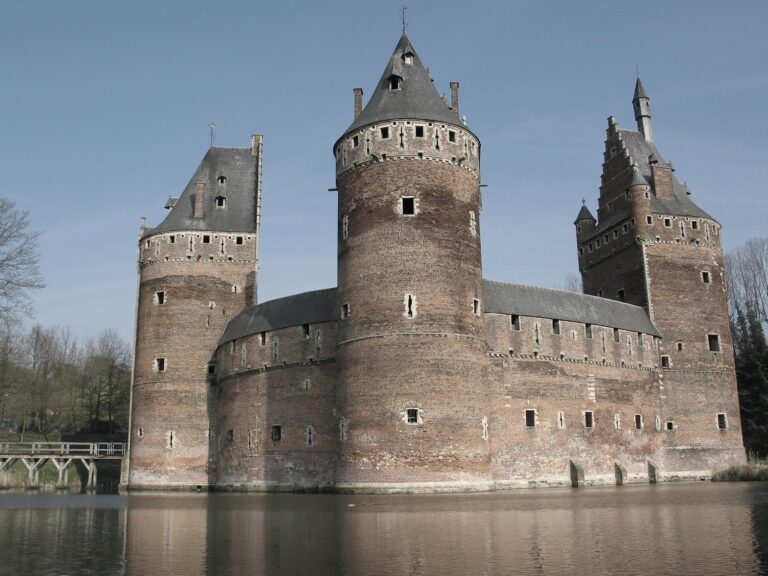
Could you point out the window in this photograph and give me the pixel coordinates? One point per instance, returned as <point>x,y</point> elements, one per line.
<point>669,426</point>
<point>345,311</point>
<point>620,295</point>
<point>600,293</point>
<point>617,421</point>
<point>384,132</point>
<point>159,298</point>
<point>714,342</point>
<point>451,136</point>
<point>589,419</point>
<point>668,222</point>
<point>408,57</point>
<point>275,348</point>
<point>230,436</point>
<point>412,415</point>
<point>222,179</point>
<point>615,233</point>
<point>616,335</point>
<point>640,340</point>
<point>239,240</point>
<point>305,330</point>
<point>410,311</point>
<point>394,82</point>
<point>211,368</point>
<point>408,204</point>
<point>172,239</point>
<point>206,239</point>
<point>276,433</point>
<point>680,346</point>
<point>694,225</point>
<point>555,326</point>
<point>169,438</point>
<point>140,432</point>
<point>588,330</point>
<point>722,421</point>
<point>345,227</point>
<point>706,278</point>
<point>638,421</point>
<point>530,418</point>
<point>561,419</point>
<point>262,338</point>
<point>665,362</point>
<point>221,201</point>
<point>419,131</point>
<point>476,306</point>
<point>649,220</point>
<point>514,321</point>
<point>310,436</point>
<point>160,364</point>
<point>355,141</point>
<point>581,251</point>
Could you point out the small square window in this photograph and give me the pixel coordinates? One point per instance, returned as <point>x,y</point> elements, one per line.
<point>722,421</point>
<point>412,415</point>
<point>172,239</point>
<point>239,240</point>
<point>714,342</point>
<point>649,220</point>
<point>419,131</point>
<point>451,136</point>
<point>589,419</point>
<point>616,233</point>
<point>620,295</point>
<point>159,298</point>
<point>276,433</point>
<point>355,141</point>
<point>211,368</point>
<point>638,421</point>
<point>394,82</point>
<point>665,362</point>
<point>670,425</point>
<point>221,201</point>
<point>206,239</point>
<point>160,364</point>
<point>514,321</point>
<point>680,346</point>
<point>694,225</point>
<point>409,205</point>
<point>530,418</point>
<point>706,277</point>
<point>668,222</point>
<point>385,132</point>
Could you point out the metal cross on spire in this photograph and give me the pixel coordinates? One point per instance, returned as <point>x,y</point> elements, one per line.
<point>403,8</point>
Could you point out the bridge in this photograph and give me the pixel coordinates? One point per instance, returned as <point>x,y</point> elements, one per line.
<point>63,454</point>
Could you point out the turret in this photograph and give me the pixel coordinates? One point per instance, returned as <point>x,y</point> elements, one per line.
<point>411,353</point>
<point>642,106</point>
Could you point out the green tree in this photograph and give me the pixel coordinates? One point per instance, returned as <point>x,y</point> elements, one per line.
<point>752,377</point>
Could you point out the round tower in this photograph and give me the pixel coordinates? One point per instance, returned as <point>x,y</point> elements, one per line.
<point>412,396</point>
<point>197,270</point>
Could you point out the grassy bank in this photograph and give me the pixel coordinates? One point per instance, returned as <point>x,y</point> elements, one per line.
<point>754,470</point>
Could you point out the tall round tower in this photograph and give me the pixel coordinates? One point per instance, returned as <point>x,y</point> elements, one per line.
<point>412,396</point>
<point>197,270</point>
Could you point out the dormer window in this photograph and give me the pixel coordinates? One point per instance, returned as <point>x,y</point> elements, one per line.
<point>395,82</point>
<point>222,180</point>
<point>221,201</point>
<point>408,57</point>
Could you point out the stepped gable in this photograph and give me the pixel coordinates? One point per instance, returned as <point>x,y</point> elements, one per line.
<point>305,308</point>
<point>640,150</point>
<point>415,98</point>
<point>503,298</point>
<point>239,167</point>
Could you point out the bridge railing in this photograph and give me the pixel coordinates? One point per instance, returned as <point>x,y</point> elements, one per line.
<point>94,449</point>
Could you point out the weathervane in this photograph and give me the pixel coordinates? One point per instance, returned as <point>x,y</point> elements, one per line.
<point>402,16</point>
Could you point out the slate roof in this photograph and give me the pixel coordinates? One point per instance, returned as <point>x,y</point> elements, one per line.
<point>239,167</point>
<point>417,97</point>
<point>584,214</point>
<point>640,150</point>
<point>503,298</point>
<point>499,298</point>
<point>639,90</point>
<point>304,308</point>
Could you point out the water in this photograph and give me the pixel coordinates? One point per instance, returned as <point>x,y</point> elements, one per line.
<point>681,529</point>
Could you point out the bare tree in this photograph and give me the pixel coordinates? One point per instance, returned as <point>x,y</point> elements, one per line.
<point>746,273</point>
<point>19,271</point>
<point>573,283</point>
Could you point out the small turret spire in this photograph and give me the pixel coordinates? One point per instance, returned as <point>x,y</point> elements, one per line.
<point>641,104</point>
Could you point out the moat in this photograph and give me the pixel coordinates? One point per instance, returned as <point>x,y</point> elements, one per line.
<point>693,528</point>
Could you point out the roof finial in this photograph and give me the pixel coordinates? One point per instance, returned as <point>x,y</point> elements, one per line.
<point>637,70</point>
<point>212,126</point>
<point>403,8</point>
<point>583,201</point>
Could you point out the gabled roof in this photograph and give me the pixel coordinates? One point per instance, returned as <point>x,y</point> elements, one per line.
<point>641,150</point>
<point>416,97</point>
<point>239,167</point>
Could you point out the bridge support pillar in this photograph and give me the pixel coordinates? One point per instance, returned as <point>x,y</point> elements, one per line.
<point>91,467</point>
<point>33,466</point>
<point>62,466</point>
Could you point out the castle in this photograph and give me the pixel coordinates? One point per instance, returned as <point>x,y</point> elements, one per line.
<point>415,373</point>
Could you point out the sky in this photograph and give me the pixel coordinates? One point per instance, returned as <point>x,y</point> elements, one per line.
<point>105,110</point>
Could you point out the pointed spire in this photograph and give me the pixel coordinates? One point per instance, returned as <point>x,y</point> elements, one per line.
<point>637,178</point>
<point>405,90</point>
<point>584,213</point>
<point>642,106</point>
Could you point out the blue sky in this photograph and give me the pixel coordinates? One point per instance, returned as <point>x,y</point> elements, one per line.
<point>105,109</point>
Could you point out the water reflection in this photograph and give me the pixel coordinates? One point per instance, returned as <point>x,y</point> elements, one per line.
<point>681,529</point>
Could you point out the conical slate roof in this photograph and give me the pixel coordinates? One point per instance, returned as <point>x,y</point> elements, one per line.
<point>639,90</point>
<point>415,98</point>
<point>584,214</point>
<point>637,178</point>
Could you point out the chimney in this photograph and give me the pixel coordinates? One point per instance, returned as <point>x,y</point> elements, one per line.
<point>455,98</point>
<point>256,140</point>
<point>358,101</point>
<point>199,210</point>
